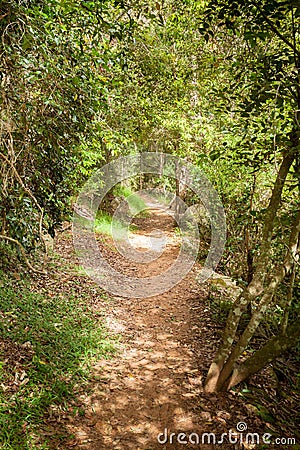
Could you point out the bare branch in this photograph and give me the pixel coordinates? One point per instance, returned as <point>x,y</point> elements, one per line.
<point>7,238</point>
<point>21,182</point>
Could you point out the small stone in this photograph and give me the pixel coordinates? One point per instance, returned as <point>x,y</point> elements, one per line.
<point>205,415</point>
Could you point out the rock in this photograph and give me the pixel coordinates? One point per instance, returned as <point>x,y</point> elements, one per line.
<point>205,415</point>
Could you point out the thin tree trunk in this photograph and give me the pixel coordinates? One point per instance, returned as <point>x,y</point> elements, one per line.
<point>264,251</point>
<point>285,319</point>
<point>177,192</point>
<point>256,286</point>
<point>267,297</point>
<point>176,214</point>
<point>271,350</point>
<point>248,247</point>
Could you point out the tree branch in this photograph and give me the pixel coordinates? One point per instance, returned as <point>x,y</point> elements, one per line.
<point>21,182</point>
<point>277,32</point>
<point>271,350</point>
<point>30,195</point>
<point>7,238</point>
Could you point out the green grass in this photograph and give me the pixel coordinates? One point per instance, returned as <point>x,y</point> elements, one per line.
<point>50,342</point>
<point>136,203</point>
<point>107,225</point>
<point>104,223</point>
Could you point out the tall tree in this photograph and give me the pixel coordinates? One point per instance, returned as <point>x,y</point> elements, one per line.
<point>268,33</point>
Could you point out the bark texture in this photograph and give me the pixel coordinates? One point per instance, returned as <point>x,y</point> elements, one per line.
<point>255,287</point>
<point>273,348</point>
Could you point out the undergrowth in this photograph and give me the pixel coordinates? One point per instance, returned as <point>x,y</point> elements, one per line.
<point>135,202</point>
<point>106,224</point>
<point>47,346</point>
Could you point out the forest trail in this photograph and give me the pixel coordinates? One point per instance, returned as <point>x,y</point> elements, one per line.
<point>155,381</point>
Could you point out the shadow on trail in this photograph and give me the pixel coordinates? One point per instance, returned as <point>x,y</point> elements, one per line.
<point>155,382</point>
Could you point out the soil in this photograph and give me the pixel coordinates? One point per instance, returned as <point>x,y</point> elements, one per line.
<point>155,381</point>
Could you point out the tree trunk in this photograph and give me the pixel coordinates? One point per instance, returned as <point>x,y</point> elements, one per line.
<point>177,192</point>
<point>271,350</point>
<point>255,288</point>
<point>279,274</point>
<point>285,319</point>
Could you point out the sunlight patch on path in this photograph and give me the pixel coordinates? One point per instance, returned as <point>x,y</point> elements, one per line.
<point>154,381</point>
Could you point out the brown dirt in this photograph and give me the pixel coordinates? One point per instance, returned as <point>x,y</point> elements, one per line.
<point>155,382</point>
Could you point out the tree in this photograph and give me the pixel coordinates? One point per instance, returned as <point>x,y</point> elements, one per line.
<point>53,55</point>
<point>273,26</point>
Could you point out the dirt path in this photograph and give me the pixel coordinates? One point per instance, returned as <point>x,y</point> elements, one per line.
<point>155,382</point>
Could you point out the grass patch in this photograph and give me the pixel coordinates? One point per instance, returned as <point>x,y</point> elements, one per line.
<point>136,204</point>
<point>46,349</point>
<point>104,224</point>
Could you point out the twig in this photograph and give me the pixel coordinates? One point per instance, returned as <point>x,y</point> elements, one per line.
<point>29,193</point>
<point>21,182</point>
<point>288,305</point>
<point>7,238</point>
<point>67,227</point>
<point>277,32</point>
